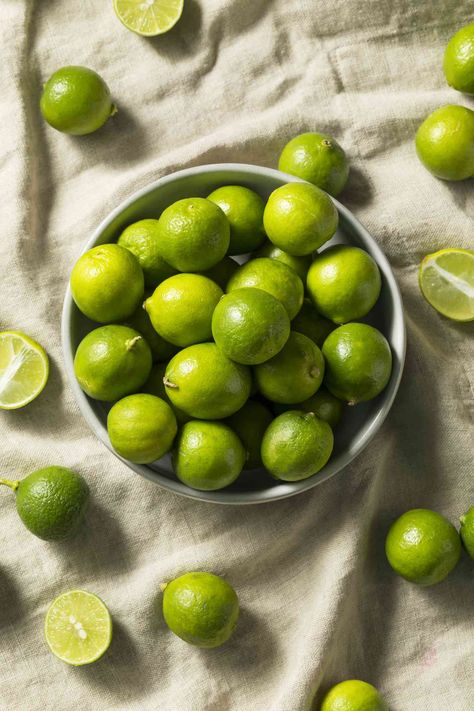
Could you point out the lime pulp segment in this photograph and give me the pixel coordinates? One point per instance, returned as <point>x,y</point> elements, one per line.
<point>24,370</point>
<point>149,17</point>
<point>78,627</point>
<point>447,282</point>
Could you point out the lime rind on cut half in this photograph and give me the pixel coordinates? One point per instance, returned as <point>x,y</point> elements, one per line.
<point>148,17</point>
<point>78,627</point>
<point>24,369</point>
<point>447,282</point>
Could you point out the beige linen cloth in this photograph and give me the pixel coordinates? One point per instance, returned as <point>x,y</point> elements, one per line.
<point>233,82</point>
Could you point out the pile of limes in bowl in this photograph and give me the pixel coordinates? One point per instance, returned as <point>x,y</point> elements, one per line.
<point>230,365</point>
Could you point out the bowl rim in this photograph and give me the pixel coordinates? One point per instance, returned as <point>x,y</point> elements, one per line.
<point>284,489</point>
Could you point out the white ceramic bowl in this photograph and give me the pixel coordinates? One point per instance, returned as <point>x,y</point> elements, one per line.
<point>359,423</point>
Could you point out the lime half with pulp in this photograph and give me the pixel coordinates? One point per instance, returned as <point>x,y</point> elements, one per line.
<point>78,627</point>
<point>148,17</point>
<point>447,282</point>
<point>24,370</point>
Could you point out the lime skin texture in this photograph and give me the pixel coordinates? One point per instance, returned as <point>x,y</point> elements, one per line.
<point>322,404</point>
<point>250,424</point>
<point>344,283</point>
<point>311,324</point>
<point>155,386</point>
<point>194,234</point>
<point>161,350</point>
<point>353,695</point>
<point>300,265</point>
<point>458,61</point>
<point>467,531</point>
<point>76,100</point>
<point>244,211</point>
<point>202,382</point>
<point>51,502</point>
<point>107,283</point>
<point>358,362</point>
<point>299,218</point>
<point>317,158</point>
<point>296,445</point>
<point>445,143</point>
<point>250,326</point>
<point>142,240</point>
<point>112,362</point>
<point>423,547</point>
<point>222,272</point>
<point>208,455</point>
<point>141,428</point>
<point>201,608</point>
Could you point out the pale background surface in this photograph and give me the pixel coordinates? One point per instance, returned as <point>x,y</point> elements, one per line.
<point>232,82</point>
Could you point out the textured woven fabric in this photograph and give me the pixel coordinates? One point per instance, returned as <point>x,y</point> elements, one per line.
<point>234,81</point>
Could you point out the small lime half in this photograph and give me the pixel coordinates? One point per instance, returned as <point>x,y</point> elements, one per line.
<point>24,369</point>
<point>447,282</point>
<point>148,17</point>
<point>78,627</point>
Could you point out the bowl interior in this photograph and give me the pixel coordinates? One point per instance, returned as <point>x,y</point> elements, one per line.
<point>359,423</point>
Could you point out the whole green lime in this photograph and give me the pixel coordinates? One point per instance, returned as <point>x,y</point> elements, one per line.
<point>458,62</point>
<point>142,239</point>
<point>445,143</point>
<point>181,308</point>
<point>422,546</point>
<point>299,218</point>
<point>250,326</point>
<point>155,386</point>
<point>299,264</point>
<point>353,695</point>
<point>141,428</point>
<point>296,445</point>
<point>222,272</point>
<point>312,324</point>
<point>111,362</point>
<point>194,234</point>
<point>76,100</point>
<point>344,283</point>
<point>274,277</point>
<point>358,362</point>
<point>250,424</point>
<point>317,158</point>
<point>467,531</point>
<point>294,374</point>
<point>208,455</point>
<point>51,502</point>
<point>204,383</point>
<point>322,404</point>
<point>107,283</point>
<point>161,350</point>
<point>244,210</point>
<point>201,608</point>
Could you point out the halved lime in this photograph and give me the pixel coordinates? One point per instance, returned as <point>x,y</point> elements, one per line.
<point>24,369</point>
<point>447,282</point>
<point>78,627</point>
<point>148,17</point>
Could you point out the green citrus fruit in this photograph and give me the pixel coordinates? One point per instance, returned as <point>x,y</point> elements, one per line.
<point>296,445</point>
<point>250,326</point>
<point>294,374</point>
<point>201,608</point>
<point>111,362</point>
<point>445,143</point>
<point>447,282</point>
<point>76,100</point>
<point>312,324</point>
<point>299,218</point>
<point>194,234</point>
<point>317,158</point>
<point>24,370</point>
<point>250,424</point>
<point>422,546</point>
<point>467,531</point>
<point>208,455</point>
<point>344,283</point>
<point>458,62</point>
<point>148,17</point>
<point>51,502</point>
<point>181,308</point>
<point>299,264</point>
<point>322,404</point>
<point>222,272</point>
<point>274,277</point>
<point>244,210</point>
<point>107,283</point>
<point>78,628</point>
<point>161,350</point>
<point>358,362</point>
<point>155,386</point>
<point>204,383</point>
<point>141,428</point>
<point>353,695</point>
<point>142,239</point>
